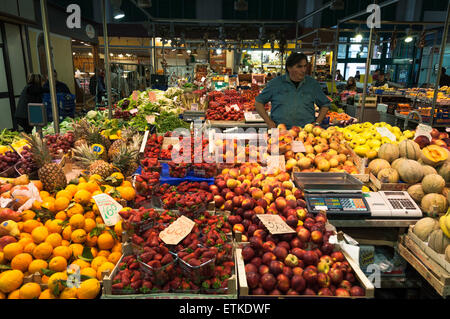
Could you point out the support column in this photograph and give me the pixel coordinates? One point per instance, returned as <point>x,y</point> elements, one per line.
<point>107,67</point>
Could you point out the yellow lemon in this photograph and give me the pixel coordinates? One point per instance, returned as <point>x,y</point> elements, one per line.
<point>89,271</point>
<point>61,216</point>
<point>54,283</point>
<point>98,261</point>
<point>54,226</point>
<point>37,265</point>
<point>39,234</point>
<point>89,289</point>
<point>67,232</point>
<point>81,263</point>
<point>114,257</point>
<point>29,248</point>
<point>105,241</point>
<point>64,193</point>
<point>78,236</point>
<point>77,249</point>
<point>27,215</point>
<point>10,280</point>
<point>21,262</point>
<point>105,267</point>
<point>29,225</point>
<point>54,239</point>
<point>63,251</point>
<point>46,295</point>
<point>57,263</point>
<point>68,293</point>
<point>30,290</point>
<point>82,197</point>
<point>77,221</point>
<point>12,250</point>
<point>61,203</point>
<point>42,251</point>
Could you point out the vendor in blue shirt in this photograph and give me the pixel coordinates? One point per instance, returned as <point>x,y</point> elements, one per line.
<point>293,96</point>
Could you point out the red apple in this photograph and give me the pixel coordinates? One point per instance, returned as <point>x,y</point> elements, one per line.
<point>298,283</point>
<point>283,283</point>
<point>341,292</point>
<point>310,276</point>
<point>325,292</point>
<point>336,276</point>
<point>337,256</point>
<point>323,280</point>
<point>304,235</point>
<point>316,237</point>
<point>310,258</point>
<point>357,291</point>
<point>291,260</point>
<point>268,257</point>
<point>268,282</point>
<point>269,246</point>
<point>252,280</point>
<point>263,269</point>
<point>248,253</point>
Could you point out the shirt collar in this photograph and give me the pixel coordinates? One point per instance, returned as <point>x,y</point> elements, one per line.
<point>288,79</point>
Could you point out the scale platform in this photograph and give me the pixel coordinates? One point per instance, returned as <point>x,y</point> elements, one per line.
<point>339,194</point>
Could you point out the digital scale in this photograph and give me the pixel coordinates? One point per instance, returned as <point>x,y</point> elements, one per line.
<point>191,116</point>
<point>340,195</point>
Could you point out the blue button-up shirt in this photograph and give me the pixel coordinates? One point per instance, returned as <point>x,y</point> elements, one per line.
<point>290,105</point>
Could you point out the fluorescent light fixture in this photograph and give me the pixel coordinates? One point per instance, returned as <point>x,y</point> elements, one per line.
<point>408,39</point>
<point>90,53</point>
<point>128,54</point>
<point>219,51</point>
<point>358,37</point>
<point>188,51</point>
<point>118,14</point>
<point>111,54</point>
<point>121,55</point>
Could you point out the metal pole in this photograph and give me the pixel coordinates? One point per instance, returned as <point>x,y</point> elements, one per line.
<point>107,68</point>
<point>431,58</point>
<point>441,58</point>
<point>50,67</point>
<point>334,66</point>
<point>296,35</point>
<point>366,76</point>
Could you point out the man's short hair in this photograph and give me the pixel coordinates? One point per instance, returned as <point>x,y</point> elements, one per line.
<point>294,58</point>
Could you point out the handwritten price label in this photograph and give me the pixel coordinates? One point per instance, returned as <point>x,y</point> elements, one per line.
<point>152,96</point>
<point>135,95</point>
<point>275,163</point>
<point>386,133</point>
<point>298,147</point>
<point>176,232</point>
<point>275,225</point>
<point>109,209</point>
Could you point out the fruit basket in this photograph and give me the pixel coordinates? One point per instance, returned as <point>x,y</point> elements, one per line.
<point>197,269</point>
<point>159,275</point>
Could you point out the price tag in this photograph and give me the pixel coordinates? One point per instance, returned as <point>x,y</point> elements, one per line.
<point>150,119</point>
<point>152,96</point>
<point>320,207</point>
<point>109,209</point>
<point>194,107</point>
<point>235,106</point>
<point>274,224</point>
<point>133,111</point>
<point>298,147</point>
<point>275,163</point>
<point>135,95</point>
<point>176,232</point>
<point>144,142</point>
<point>386,133</point>
<point>423,130</point>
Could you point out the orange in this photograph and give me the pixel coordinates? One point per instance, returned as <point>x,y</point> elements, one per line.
<point>77,249</point>
<point>61,215</point>
<point>27,214</point>
<point>82,197</point>
<point>65,243</point>
<point>114,257</point>
<point>54,226</point>
<point>61,203</point>
<point>95,178</point>
<point>89,224</point>
<point>67,232</point>
<point>64,193</point>
<point>99,220</point>
<point>57,263</point>
<point>2,257</point>
<point>68,293</point>
<point>89,289</point>
<point>20,226</point>
<point>118,228</point>
<point>25,241</point>
<point>92,187</point>
<point>104,253</point>
<point>72,189</point>
<point>82,185</point>
<point>75,209</point>
<point>91,241</point>
<point>78,236</point>
<point>126,184</point>
<point>29,248</point>
<point>82,180</point>
<point>126,192</point>
<point>46,295</point>
<point>89,271</point>
<point>42,251</point>
<point>21,262</point>
<point>44,194</point>
<point>30,290</point>
<point>38,185</point>
<point>117,248</point>
<point>12,250</point>
<point>98,261</point>
<point>14,294</point>
<point>106,266</point>
<point>36,205</point>
<point>94,251</point>
<point>39,234</point>
<point>81,263</point>
<point>63,251</point>
<point>54,239</point>
<point>25,235</point>
<point>47,223</point>
<point>105,241</point>
<point>89,214</point>
<point>49,205</point>
<point>77,221</point>
<point>37,265</point>
<point>29,225</point>
<point>96,193</point>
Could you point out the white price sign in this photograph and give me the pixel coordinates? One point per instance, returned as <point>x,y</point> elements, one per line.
<point>423,130</point>
<point>176,232</point>
<point>386,133</point>
<point>274,224</point>
<point>109,209</point>
<point>298,147</point>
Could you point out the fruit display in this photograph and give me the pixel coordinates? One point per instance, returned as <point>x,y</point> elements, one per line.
<point>7,162</point>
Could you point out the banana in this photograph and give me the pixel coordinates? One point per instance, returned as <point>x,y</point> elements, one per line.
<point>442,223</point>
<point>447,219</point>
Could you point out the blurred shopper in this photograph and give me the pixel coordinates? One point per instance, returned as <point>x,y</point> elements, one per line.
<point>32,93</point>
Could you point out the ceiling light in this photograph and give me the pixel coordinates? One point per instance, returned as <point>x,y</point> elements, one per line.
<point>74,53</point>
<point>128,54</point>
<point>358,37</point>
<point>118,14</point>
<point>219,51</point>
<point>111,54</point>
<point>188,51</point>
<point>408,39</point>
<point>120,55</point>
<point>90,53</point>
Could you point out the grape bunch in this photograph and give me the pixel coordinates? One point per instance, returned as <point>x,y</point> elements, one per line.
<point>120,114</point>
<point>8,159</point>
<point>26,164</point>
<point>57,142</point>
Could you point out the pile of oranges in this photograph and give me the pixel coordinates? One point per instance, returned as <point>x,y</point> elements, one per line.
<point>75,236</point>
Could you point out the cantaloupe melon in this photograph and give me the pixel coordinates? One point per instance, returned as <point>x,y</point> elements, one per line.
<point>427,170</point>
<point>433,183</point>
<point>388,175</point>
<point>377,165</point>
<point>438,241</point>
<point>434,204</point>
<point>409,149</point>
<point>389,152</point>
<point>410,171</point>
<point>424,227</point>
<point>416,192</point>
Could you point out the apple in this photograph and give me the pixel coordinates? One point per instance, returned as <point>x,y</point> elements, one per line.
<point>304,235</point>
<point>268,282</point>
<point>325,292</point>
<point>248,253</point>
<point>269,246</point>
<point>350,277</point>
<point>323,280</point>
<point>258,292</point>
<point>316,237</point>
<point>336,276</point>
<point>268,257</point>
<point>327,248</point>
<point>323,267</point>
<point>261,234</point>
<point>238,228</point>
<point>284,243</point>
<point>263,269</point>
<point>283,283</point>
<point>256,261</point>
<point>310,276</point>
<point>341,292</point>
<point>327,259</point>
<point>298,252</point>
<point>291,260</point>
<point>298,283</point>
<point>250,268</point>
<point>423,141</point>
<point>337,256</point>
<point>276,267</point>
<point>280,252</point>
<point>256,242</point>
<point>296,243</point>
<point>288,272</point>
<point>346,285</point>
<point>252,279</point>
<point>357,291</point>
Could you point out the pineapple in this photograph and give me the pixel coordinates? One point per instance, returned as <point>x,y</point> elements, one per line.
<point>91,161</point>
<point>127,136</point>
<point>86,132</point>
<point>50,174</point>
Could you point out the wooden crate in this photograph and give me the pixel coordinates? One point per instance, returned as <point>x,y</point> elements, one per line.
<point>438,258</point>
<point>431,271</point>
<point>128,250</point>
<point>244,290</point>
<point>388,186</point>
<point>371,101</point>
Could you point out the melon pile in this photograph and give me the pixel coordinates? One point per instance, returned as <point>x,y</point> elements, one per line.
<point>427,170</point>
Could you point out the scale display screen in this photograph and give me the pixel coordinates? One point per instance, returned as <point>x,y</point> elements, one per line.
<point>341,205</point>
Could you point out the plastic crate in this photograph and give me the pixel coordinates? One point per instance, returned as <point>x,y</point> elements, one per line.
<point>66,105</point>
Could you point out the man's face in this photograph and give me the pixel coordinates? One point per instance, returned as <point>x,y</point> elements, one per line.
<point>297,72</point>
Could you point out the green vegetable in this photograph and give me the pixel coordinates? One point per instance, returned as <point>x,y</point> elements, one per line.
<point>169,121</point>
